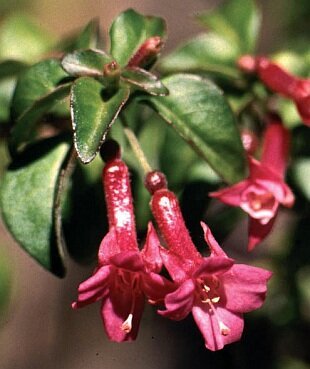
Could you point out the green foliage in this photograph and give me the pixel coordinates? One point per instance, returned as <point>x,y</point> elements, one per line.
<point>86,63</point>
<point>28,196</point>
<point>200,114</point>
<point>23,40</point>
<point>37,91</point>
<point>145,81</point>
<point>129,30</point>
<point>233,30</point>
<point>238,21</point>
<point>207,52</point>
<point>93,114</point>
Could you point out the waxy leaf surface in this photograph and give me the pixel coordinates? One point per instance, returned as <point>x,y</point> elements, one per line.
<point>144,80</point>
<point>93,113</point>
<point>198,111</point>
<point>24,128</point>
<point>86,62</point>
<point>38,81</point>
<point>27,201</point>
<point>128,32</point>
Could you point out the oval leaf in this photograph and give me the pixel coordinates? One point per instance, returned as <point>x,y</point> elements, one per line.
<point>24,127</point>
<point>144,80</point>
<point>93,115</point>
<point>27,201</point>
<point>38,81</point>
<point>198,111</point>
<point>86,62</point>
<point>128,32</point>
<point>207,52</point>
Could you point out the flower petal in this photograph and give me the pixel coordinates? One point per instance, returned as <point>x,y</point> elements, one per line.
<point>276,145</point>
<point>258,231</point>
<point>115,310</point>
<point>180,302</point>
<point>231,195</point>
<point>213,265</point>
<point>108,247</point>
<point>130,260</point>
<point>150,252</point>
<point>178,268</point>
<point>245,287</point>
<point>303,107</point>
<point>93,288</point>
<point>271,181</point>
<point>215,248</point>
<point>218,327</point>
<point>156,287</point>
<point>99,278</point>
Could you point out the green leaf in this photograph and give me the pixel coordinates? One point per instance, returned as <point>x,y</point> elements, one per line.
<point>27,201</point>
<point>93,114</point>
<point>207,52</point>
<point>128,32</point>
<point>85,39</point>
<point>24,128</point>
<point>23,40</point>
<point>145,81</point>
<point>7,86</point>
<point>38,81</point>
<point>86,62</point>
<point>198,111</point>
<point>236,20</point>
<point>10,68</point>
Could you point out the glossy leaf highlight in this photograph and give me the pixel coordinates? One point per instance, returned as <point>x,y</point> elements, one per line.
<point>27,201</point>
<point>93,113</point>
<point>198,111</point>
<point>129,30</point>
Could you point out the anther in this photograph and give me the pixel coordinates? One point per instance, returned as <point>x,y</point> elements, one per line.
<point>127,324</point>
<point>224,329</point>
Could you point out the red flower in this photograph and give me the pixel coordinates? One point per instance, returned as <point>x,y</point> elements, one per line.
<point>261,193</point>
<point>124,276</point>
<point>215,289</point>
<point>280,81</point>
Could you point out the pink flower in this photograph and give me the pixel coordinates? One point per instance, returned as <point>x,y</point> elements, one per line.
<point>214,289</point>
<point>280,81</point>
<point>217,292</point>
<point>124,276</point>
<point>261,193</point>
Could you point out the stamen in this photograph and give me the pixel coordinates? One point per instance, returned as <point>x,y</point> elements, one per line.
<point>127,324</point>
<point>224,329</point>
<point>256,205</point>
<point>206,288</point>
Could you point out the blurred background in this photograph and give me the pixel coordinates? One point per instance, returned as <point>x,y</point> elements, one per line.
<point>38,328</point>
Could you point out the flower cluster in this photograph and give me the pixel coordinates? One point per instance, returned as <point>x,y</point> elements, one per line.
<point>280,81</point>
<point>264,190</point>
<point>125,276</point>
<point>215,289</point>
